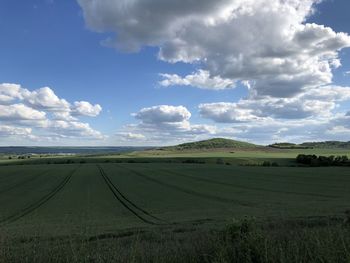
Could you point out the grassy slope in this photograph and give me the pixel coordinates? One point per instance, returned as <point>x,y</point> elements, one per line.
<point>216,143</point>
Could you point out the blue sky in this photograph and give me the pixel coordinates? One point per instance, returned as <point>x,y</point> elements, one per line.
<point>62,45</point>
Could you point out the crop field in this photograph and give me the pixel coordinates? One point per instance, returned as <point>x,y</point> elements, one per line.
<point>89,199</point>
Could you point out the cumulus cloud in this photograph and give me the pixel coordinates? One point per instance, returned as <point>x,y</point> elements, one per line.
<point>200,79</point>
<point>266,42</point>
<point>285,62</point>
<point>164,124</point>
<point>336,130</point>
<point>74,129</point>
<point>45,99</point>
<point>26,114</point>
<point>20,112</point>
<point>224,112</point>
<point>316,102</point>
<point>6,131</point>
<point>9,92</point>
<point>86,109</point>
<point>129,136</point>
<point>163,114</point>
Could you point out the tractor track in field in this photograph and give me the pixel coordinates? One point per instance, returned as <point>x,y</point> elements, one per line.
<point>30,208</point>
<point>124,201</point>
<point>32,178</point>
<point>190,192</point>
<point>239,186</point>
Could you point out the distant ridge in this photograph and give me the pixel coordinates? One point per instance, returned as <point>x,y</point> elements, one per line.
<point>327,144</point>
<point>216,143</point>
<point>313,145</point>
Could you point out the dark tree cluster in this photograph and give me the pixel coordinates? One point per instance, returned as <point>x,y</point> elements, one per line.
<point>313,160</point>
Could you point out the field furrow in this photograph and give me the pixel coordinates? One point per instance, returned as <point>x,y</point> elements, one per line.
<point>125,201</point>
<point>190,191</point>
<point>240,186</point>
<point>21,183</point>
<point>29,209</point>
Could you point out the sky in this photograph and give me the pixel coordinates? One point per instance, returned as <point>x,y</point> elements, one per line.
<point>162,72</point>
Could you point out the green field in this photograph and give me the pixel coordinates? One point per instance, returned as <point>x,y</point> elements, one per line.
<point>97,198</point>
<point>157,206</point>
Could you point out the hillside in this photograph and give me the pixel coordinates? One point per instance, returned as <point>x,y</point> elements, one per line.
<point>216,143</point>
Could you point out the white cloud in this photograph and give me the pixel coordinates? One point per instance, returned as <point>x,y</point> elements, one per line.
<point>266,42</point>
<point>86,109</point>
<point>285,62</point>
<point>224,112</point>
<point>6,131</point>
<point>316,102</point>
<point>17,112</point>
<point>163,114</point>
<point>200,79</point>
<point>9,92</point>
<point>336,130</point>
<point>129,136</point>
<point>40,115</point>
<point>45,99</point>
<point>74,129</point>
<point>164,124</point>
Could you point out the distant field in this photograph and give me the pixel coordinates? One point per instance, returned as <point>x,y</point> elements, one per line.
<point>238,153</point>
<point>99,198</point>
<point>284,157</point>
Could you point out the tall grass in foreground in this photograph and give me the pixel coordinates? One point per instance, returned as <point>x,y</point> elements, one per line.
<point>240,241</point>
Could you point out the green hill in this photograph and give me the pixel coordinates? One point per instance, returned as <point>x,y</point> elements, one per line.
<point>216,143</point>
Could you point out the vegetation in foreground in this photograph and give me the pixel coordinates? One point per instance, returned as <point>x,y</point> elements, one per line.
<point>307,240</point>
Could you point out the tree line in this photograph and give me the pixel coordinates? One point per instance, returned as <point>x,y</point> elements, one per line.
<point>313,160</point>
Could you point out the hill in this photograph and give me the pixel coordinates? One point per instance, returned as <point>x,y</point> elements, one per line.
<point>216,143</point>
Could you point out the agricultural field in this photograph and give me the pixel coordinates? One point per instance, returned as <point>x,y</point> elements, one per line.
<point>156,205</point>
<point>97,198</point>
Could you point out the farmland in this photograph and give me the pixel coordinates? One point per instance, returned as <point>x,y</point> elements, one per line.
<point>94,198</point>
<point>106,205</point>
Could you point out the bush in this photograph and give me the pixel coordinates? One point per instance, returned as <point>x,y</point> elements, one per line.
<point>266,163</point>
<point>313,160</point>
